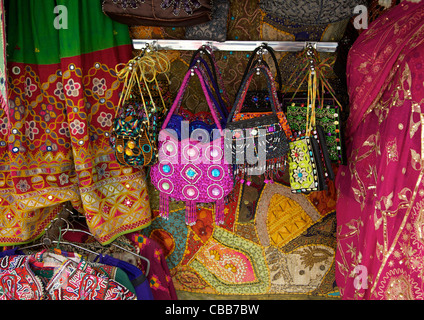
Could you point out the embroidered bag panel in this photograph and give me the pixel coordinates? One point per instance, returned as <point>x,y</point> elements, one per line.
<point>190,170</point>
<point>328,117</point>
<point>251,130</point>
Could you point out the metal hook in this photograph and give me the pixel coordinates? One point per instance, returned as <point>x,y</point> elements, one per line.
<point>153,46</point>
<point>208,47</point>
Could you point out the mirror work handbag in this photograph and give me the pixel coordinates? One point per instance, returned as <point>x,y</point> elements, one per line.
<point>263,137</point>
<point>140,111</point>
<point>328,110</point>
<point>159,13</point>
<point>191,170</point>
<point>309,163</point>
<point>327,115</point>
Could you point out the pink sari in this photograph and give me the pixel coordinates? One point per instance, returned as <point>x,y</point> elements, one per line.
<point>380,208</point>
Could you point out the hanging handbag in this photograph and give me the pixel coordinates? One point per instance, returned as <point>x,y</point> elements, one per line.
<point>328,116</point>
<point>158,13</point>
<point>328,111</point>
<point>309,162</point>
<point>202,120</point>
<point>258,145</point>
<point>138,116</point>
<point>258,102</point>
<point>190,170</point>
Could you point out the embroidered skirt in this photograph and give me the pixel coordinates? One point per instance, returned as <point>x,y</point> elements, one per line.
<point>54,140</point>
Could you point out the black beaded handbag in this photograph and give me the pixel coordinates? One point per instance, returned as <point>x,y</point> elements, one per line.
<point>258,145</point>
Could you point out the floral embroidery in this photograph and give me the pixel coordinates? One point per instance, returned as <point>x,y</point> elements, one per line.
<point>29,87</point>
<point>77,127</point>
<point>64,129</point>
<point>300,174</point>
<point>99,86</point>
<point>297,154</point>
<point>106,209</point>
<point>23,186</point>
<point>47,112</point>
<point>59,91</point>
<point>105,119</point>
<point>392,153</point>
<point>63,178</point>
<point>101,171</point>
<point>31,130</point>
<point>72,88</point>
<point>128,202</point>
<point>16,109</point>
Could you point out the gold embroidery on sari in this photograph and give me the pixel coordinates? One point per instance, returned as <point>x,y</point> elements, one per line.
<point>406,203</point>
<point>392,151</point>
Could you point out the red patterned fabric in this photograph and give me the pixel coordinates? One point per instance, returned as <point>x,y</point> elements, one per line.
<point>159,275</point>
<point>63,93</point>
<point>58,150</point>
<point>69,281</point>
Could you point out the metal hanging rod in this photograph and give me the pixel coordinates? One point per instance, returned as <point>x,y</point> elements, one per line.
<point>292,46</point>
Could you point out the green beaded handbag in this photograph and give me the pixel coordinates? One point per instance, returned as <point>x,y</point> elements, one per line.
<point>327,116</point>
<point>309,162</point>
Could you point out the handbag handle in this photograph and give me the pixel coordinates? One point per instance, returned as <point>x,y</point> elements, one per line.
<point>178,99</point>
<point>202,50</point>
<point>215,104</point>
<point>208,51</point>
<point>221,105</point>
<point>251,63</point>
<point>241,96</point>
<point>137,69</point>
<point>129,75</point>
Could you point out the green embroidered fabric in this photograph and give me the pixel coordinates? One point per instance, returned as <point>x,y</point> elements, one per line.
<point>328,118</point>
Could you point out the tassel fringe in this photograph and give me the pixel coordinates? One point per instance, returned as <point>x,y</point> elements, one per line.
<point>273,168</point>
<point>164,206</point>
<point>220,212</point>
<point>191,213</point>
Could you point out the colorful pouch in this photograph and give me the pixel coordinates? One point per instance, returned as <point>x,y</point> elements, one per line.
<point>191,170</point>
<point>262,137</point>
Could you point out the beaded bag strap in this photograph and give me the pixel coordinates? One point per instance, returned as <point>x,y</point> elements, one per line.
<point>207,75</point>
<point>208,51</point>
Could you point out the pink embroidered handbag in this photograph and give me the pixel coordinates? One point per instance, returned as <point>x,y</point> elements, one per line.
<point>191,170</point>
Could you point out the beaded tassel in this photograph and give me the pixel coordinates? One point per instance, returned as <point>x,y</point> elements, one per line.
<point>191,213</point>
<point>164,206</point>
<point>219,212</point>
